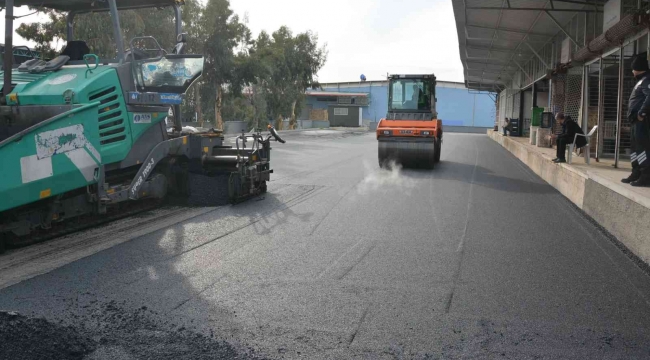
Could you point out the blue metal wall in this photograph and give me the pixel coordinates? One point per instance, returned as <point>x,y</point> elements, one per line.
<point>456,106</point>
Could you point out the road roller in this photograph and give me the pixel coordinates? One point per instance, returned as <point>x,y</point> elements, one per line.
<point>411,133</point>
<point>84,139</point>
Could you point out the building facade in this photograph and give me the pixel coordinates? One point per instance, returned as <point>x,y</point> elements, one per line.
<point>368,100</point>
<point>565,56</point>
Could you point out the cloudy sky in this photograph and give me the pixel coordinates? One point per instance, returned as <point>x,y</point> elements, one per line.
<point>371,37</point>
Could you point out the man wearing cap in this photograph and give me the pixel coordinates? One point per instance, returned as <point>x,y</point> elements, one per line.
<point>638,111</point>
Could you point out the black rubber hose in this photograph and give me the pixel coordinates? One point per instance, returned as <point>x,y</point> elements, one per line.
<point>275,134</point>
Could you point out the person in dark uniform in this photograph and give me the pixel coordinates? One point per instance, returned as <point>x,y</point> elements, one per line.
<point>637,113</point>
<point>569,130</point>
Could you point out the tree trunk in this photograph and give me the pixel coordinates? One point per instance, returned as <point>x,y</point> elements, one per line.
<point>197,104</point>
<point>217,108</point>
<point>292,122</point>
<point>253,103</point>
<point>278,122</point>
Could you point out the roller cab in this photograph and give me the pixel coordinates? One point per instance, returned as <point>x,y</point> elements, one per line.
<point>411,133</point>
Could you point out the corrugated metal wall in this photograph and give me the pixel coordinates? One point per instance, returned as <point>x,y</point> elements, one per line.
<point>456,105</point>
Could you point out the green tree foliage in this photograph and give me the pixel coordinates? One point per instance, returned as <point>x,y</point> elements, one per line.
<point>222,32</point>
<point>255,80</point>
<point>97,30</point>
<point>288,66</point>
<point>46,33</point>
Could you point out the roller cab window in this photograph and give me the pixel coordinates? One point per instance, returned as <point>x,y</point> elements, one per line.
<point>410,94</point>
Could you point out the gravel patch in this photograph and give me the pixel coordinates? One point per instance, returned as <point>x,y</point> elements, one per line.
<point>108,331</point>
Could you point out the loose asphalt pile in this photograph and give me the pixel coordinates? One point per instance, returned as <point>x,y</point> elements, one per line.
<point>24,338</point>
<point>108,331</point>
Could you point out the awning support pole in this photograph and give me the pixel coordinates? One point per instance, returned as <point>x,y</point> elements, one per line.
<point>619,107</point>
<point>9,48</point>
<point>117,30</point>
<point>601,95</point>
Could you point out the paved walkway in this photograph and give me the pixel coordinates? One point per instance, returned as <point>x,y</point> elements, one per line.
<point>602,171</point>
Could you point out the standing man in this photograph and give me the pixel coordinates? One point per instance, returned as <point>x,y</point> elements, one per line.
<point>637,113</point>
<point>506,127</point>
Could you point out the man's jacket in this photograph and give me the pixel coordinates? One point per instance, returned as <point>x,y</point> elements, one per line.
<point>640,98</point>
<point>569,131</point>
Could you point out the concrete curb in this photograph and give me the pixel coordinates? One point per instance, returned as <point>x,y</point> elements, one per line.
<point>621,190</point>
<point>620,211</point>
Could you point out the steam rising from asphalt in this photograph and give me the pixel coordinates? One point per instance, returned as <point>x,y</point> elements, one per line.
<point>385,179</point>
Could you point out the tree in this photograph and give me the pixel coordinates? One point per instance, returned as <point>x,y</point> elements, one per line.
<point>274,70</point>
<point>192,12</point>
<point>43,34</point>
<point>288,68</point>
<point>223,32</point>
<point>97,30</point>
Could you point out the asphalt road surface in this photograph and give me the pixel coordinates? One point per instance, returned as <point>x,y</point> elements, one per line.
<point>476,259</point>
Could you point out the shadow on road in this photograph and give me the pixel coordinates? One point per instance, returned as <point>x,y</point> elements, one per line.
<point>157,296</point>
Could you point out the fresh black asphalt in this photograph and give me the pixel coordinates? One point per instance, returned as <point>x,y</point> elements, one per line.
<point>476,259</point>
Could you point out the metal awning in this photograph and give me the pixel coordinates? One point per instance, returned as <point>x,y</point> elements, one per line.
<point>496,37</point>
<point>92,5</point>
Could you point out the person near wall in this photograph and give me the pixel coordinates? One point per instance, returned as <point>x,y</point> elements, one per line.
<point>638,111</point>
<point>569,130</point>
<point>506,126</point>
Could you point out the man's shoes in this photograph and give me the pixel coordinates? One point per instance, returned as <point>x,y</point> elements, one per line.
<point>633,177</point>
<point>644,180</point>
<point>557,161</point>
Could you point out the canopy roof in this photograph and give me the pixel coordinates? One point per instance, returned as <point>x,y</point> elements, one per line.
<point>496,37</point>
<point>92,5</point>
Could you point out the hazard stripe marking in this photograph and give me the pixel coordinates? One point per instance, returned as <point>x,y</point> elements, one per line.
<point>84,162</point>
<point>32,168</point>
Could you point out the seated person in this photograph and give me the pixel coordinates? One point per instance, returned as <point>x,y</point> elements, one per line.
<point>417,93</point>
<point>569,129</point>
<point>76,50</point>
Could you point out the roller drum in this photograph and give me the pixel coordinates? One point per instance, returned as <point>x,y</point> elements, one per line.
<point>413,154</point>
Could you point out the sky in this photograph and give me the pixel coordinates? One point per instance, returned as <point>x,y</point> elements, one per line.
<point>370,37</point>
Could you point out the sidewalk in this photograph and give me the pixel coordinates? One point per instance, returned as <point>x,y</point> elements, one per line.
<point>596,188</point>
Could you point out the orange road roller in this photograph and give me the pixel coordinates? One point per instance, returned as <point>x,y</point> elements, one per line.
<point>411,133</point>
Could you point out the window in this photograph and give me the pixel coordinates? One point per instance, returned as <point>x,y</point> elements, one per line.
<point>410,94</point>
<point>340,111</point>
<point>174,73</point>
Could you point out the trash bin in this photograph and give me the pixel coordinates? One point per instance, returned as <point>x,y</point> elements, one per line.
<point>546,120</point>
<point>537,116</point>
